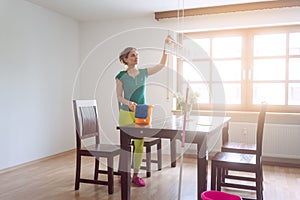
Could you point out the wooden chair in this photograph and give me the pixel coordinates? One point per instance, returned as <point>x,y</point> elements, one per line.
<point>223,162</point>
<point>148,143</point>
<point>87,128</point>
<point>237,147</point>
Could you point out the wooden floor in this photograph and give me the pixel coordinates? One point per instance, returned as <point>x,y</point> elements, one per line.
<point>53,178</point>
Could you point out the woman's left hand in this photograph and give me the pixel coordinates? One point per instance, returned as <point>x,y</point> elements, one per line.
<point>169,39</point>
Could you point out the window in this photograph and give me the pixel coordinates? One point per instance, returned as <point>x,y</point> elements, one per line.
<point>241,68</point>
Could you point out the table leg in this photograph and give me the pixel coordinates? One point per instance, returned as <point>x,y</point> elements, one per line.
<point>125,165</point>
<point>201,170</point>
<point>173,152</point>
<point>225,134</point>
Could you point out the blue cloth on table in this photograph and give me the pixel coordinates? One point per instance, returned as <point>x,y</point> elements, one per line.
<point>141,111</point>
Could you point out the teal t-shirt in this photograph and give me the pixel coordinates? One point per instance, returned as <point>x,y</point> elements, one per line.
<point>134,88</point>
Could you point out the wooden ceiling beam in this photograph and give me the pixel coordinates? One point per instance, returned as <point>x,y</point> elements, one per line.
<point>227,8</point>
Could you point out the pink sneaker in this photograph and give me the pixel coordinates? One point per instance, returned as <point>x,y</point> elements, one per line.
<point>138,181</point>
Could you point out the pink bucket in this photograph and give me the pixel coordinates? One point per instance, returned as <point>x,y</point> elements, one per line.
<point>217,195</point>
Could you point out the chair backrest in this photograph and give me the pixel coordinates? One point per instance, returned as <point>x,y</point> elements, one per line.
<point>260,129</point>
<point>86,120</point>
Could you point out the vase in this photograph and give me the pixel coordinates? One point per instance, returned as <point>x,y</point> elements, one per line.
<point>188,110</point>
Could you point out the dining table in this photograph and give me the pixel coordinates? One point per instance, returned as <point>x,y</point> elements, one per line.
<point>204,131</point>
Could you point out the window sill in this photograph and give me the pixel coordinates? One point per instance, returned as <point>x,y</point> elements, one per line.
<point>250,117</point>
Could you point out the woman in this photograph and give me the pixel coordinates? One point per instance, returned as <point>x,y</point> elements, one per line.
<point>130,87</point>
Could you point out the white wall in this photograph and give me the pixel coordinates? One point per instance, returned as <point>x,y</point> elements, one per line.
<point>39,56</point>
<point>101,43</point>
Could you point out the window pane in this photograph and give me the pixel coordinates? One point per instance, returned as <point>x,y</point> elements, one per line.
<point>218,93</point>
<point>269,69</point>
<point>294,94</point>
<point>228,70</point>
<point>272,93</point>
<point>270,45</point>
<point>194,48</point>
<point>227,47</point>
<point>197,72</point>
<point>294,69</point>
<point>232,93</point>
<point>204,44</point>
<point>294,43</point>
<point>203,90</point>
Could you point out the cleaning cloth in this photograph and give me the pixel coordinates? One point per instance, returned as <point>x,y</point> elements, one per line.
<point>141,111</point>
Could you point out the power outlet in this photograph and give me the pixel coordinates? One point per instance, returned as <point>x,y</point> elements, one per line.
<point>244,131</point>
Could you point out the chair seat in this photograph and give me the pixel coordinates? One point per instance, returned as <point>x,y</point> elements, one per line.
<point>103,149</point>
<point>151,141</point>
<point>236,162</point>
<point>239,158</point>
<point>239,147</point>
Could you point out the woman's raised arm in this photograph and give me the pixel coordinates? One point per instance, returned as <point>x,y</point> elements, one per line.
<point>163,60</point>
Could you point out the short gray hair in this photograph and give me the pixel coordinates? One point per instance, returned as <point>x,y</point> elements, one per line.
<point>125,53</point>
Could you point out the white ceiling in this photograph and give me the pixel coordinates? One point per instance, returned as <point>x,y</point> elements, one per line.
<point>90,10</point>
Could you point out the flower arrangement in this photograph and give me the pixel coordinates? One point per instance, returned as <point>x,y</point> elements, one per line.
<point>193,97</point>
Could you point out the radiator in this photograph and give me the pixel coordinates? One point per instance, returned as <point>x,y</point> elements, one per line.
<point>280,140</point>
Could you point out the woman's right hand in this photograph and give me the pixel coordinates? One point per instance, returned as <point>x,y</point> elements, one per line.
<point>131,105</point>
